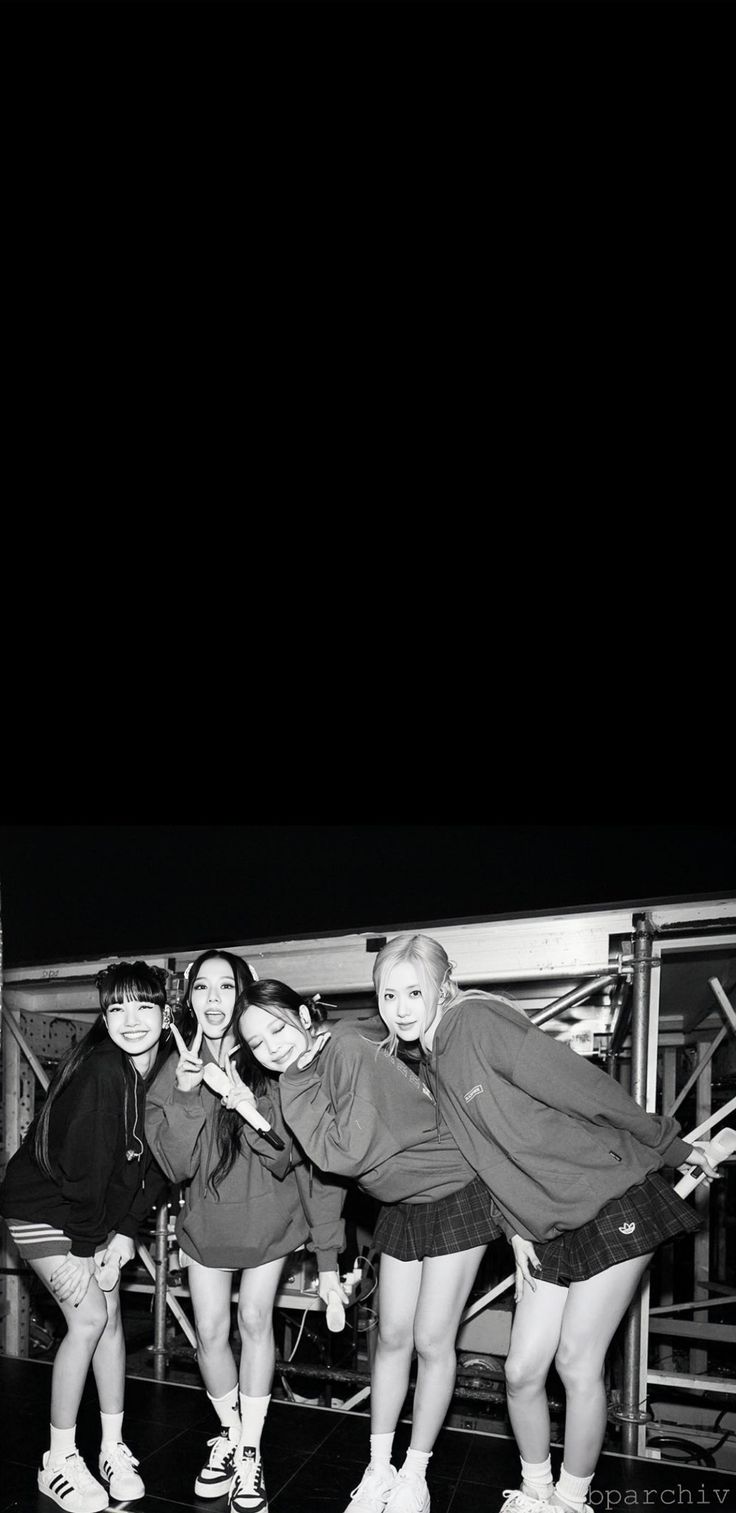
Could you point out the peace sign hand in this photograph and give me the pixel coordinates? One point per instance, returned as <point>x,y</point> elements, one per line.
<point>239,1091</point>
<point>190,1066</point>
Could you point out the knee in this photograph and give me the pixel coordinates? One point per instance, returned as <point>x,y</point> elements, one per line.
<point>431,1346</point>
<point>578,1370</point>
<point>523,1370</point>
<point>90,1321</point>
<point>213,1331</point>
<point>395,1338</point>
<point>255,1324</point>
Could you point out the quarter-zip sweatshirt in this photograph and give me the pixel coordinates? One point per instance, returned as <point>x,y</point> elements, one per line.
<point>269,1203</point>
<point>95,1188</point>
<point>359,1112</point>
<point>553,1137</point>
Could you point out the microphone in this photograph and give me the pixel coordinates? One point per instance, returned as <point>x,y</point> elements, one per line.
<point>220,1083</point>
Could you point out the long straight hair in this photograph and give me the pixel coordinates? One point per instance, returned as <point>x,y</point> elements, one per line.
<point>228,1123</point>
<point>115,984</point>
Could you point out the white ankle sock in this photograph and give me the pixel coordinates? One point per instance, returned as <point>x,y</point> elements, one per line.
<point>253,1412</point>
<point>228,1411</point>
<point>537,1476</point>
<point>112,1428</point>
<point>63,1442</point>
<point>381,1450</point>
<point>417,1462</point>
<point>572,1489</point>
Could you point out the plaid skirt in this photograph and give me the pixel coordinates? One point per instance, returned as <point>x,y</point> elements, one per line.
<point>411,1231</point>
<point>646,1216</point>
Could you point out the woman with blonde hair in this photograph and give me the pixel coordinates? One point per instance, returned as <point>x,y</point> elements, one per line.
<point>574,1165</point>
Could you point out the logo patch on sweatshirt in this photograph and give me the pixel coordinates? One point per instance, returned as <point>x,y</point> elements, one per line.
<point>474,1091</point>
<point>626,1229</point>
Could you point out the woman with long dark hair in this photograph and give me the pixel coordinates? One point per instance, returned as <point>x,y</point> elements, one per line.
<point>73,1198</point>
<point>246,1207</point>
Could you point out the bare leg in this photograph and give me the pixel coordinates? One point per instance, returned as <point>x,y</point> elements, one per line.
<point>398,1292</point>
<point>211,1300</point>
<point>85,1326</point>
<point>535,1336</point>
<point>445,1284</point>
<point>258,1288</point>
<point>592,1314</point>
<point>108,1361</point>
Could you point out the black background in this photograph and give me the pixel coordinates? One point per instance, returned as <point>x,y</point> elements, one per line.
<point>71,890</point>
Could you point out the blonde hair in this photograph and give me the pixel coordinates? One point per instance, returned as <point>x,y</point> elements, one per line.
<point>434,971</point>
<point>436,977</point>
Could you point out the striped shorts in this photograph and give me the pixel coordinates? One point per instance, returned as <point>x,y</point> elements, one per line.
<point>38,1241</point>
<point>644,1217</point>
<point>411,1231</point>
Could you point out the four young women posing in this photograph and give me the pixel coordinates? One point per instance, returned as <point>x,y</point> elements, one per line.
<point>453,1109</point>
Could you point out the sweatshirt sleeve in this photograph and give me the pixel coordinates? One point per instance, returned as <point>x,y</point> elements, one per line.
<point>322,1201</point>
<point>559,1077</point>
<point>175,1123</point>
<point>83,1169</point>
<point>341,1125</point>
<point>277,1162</point>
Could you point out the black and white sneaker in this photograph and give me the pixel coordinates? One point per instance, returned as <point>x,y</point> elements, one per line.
<point>71,1484</point>
<point>248,1491</point>
<point>217,1476</point>
<point>117,1467</point>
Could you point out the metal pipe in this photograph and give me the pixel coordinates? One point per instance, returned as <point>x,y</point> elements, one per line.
<point>576,996</point>
<point>160,1292</point>
<point>702,1064</point>
<point>631,1415</point>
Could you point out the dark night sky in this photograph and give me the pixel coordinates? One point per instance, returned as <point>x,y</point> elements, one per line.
<point>70,890</point>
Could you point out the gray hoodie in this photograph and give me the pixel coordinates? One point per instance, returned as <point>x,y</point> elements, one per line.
<point>553,1137</point>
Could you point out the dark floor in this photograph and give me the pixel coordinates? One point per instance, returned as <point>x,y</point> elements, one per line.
<point>313,1457</point>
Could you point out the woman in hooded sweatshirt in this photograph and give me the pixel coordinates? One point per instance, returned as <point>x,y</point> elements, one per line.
<point>574,1165</point>
<point>247,1206</point>
<point>363,1114</point>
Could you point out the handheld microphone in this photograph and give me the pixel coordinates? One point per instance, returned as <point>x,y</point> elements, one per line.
<point>718,1149</point>
<point>220,1083</point>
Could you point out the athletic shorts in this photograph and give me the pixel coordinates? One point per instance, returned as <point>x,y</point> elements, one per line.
<point>38,1241</point>
<point>411,1231</point>
<point>646,1216</point>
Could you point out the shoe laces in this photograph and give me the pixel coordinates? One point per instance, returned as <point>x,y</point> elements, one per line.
<point>524,1504</point>
<point>80,1471</point>
<point>415,1483</point>
<point>221,1440</point>
<point>373,1474</point>
<point>121,1454</point>
<point>248,1470</point>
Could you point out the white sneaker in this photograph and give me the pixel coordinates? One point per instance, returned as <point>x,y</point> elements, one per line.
<point>518,1502</point>
<point>70,1483</point>
<point>248,1491</point>
<point>117,1468</point>
<point>217,1476</point>
<point>409,1495</point>
<point>372,1490</point>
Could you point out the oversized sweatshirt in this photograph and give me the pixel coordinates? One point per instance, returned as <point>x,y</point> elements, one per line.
<point>359,1112</point>
<point>553,1137</point>
<point>95,1188</point>
<point>269,1203</point>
